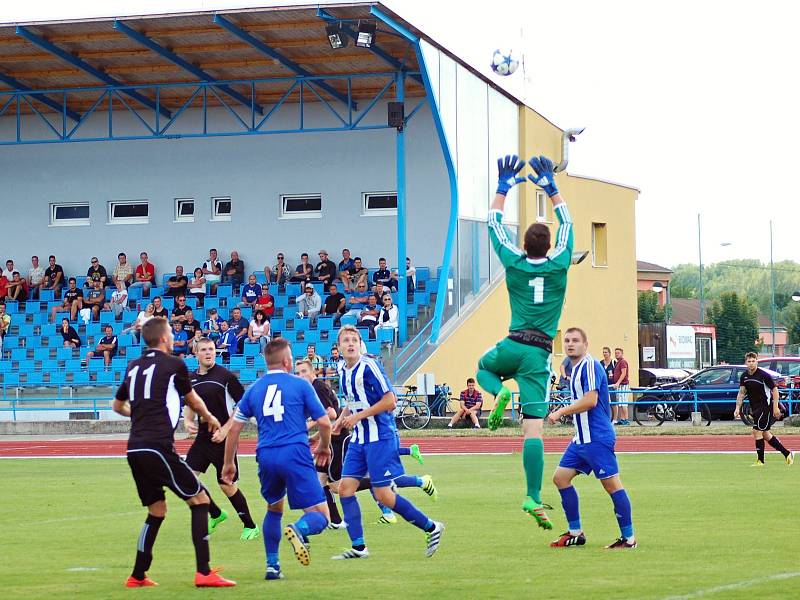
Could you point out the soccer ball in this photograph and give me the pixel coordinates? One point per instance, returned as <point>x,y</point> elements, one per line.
<point>504,62</point>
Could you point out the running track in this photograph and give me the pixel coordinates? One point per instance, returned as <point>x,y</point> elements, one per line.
<point>443,445</point>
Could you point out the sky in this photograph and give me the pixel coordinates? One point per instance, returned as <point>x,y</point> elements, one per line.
<point>691,102</point>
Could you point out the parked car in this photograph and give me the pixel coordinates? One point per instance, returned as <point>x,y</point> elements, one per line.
<point>651,377</point>
<point>789,367</point>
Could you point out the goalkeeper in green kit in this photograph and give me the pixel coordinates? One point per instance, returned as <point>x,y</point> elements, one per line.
<point>536,282</point>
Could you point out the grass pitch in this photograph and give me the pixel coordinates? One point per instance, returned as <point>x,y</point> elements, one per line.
<point>708,526</point>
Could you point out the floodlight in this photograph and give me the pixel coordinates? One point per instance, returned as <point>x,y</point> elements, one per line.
<point>366,34</point>
<point>336,36</point>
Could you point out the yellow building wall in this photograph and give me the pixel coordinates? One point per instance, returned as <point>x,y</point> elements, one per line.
<point>599,299</point>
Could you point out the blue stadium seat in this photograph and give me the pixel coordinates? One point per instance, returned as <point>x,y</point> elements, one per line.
<point>191,363</point>
<point>55,341</point>
<point>349,320</point>
<point>135,294</point>
<point>18,354</point>
<point>40,318</point>
<point>385,336</point>
<point>238,362</point>
<point>281,301</point>
<point>168,302</point>
<point>260,277</point>
<point>33,341</point>
<point>109,291</point>
<point>94,329</point>
<point>191,303</point>
<point>58,377</point>
<point>119,363</point>
<point>423,275</point>
<point>41,353</point>
<point>5,366</point>
<point>373,347</point>
<point>96,364</point>
<point>277,325</point>
<point>301,324</point>
<point>107,317</point>
<point>164,279</point>
<point>12,307</point>
<point>325,323</point>
<point>311,336</point>
<point>47,295</point>
<point>64,353</point>
<point>34,378</point>
<point>293,289</point>
<point>125,340</point>
<point>224,290</point>
<point>133,352</point>
<point>10,342</point>
<point>247,312</point>
<point>252,349</point>
<point>105,378</point>
<point>10,379</point>
<point>73,365</point>
<point>324,348</point>
<point>80,378</point>
<point>248,375</point>
<point>32,308</point>
<point>289,334</point>
<point>26,329</point>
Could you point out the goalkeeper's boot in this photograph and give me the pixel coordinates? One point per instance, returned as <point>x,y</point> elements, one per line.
<point>429,488</point>
<point>416,454</point>
<point>566,540</point>
<point>501,401</point>
<point>536,510</point>
<point>213,523</point>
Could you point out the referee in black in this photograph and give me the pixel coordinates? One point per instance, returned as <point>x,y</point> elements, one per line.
<point>762,392</point>
<point>150,395</point>
<point>221,391</point>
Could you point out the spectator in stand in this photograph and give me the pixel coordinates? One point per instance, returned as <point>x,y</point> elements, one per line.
<point>317,362</point>
<point>143,317</point>
<point>470,404</point>
<point>309,304</point>
<point>234,271</point>
<point>620,384</point>
<point>383,275</point>
<point>227,341</point>
<point>334,304</point>
<point>258,331</point>
<point>9,270</point>
<point>303,272</point>
<point>119,300</point>
<point>5,325</point>
<point>96,272</point>
<point>265,302</point>
<point>190,324</point>
<point>325,271</point>
<point>53,277</point>
<point>279,273</point>
<point>212,270</point>
<point>346,267</point>
<point>17,288</point>
<point>107,346</point>
<point>123,271</point>
<point>211,326</point>
<point>239,325</point>
<point>145,274</point>
<point>250,293</point>
<point>70,336</point>
<point>3,287</point>
<point>197,287</point>
<point>178,284</point>
<point>359,274</point>
<point>73,301</point>
<point>179,312</point>
<point>159,310</point>
<point>387,318</point>
<point>331,368</point>
<point>357,300</point>
<point>380,290</point>
<point>95,299</point>
<point>180,345</point>
<point>195,342</point>
<point>369,315</point>
<point>411,272</point>
<point>35,278</point>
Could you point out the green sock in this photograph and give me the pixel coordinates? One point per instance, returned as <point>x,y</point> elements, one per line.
<point>489,381</point>
<point>533,462</point>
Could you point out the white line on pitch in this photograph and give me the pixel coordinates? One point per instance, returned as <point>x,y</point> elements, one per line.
<point>734,586</point>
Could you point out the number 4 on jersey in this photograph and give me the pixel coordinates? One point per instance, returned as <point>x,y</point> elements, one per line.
<point>537,283</point>
<point>272,403</point>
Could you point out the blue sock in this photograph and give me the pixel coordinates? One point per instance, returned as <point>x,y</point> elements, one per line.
<point>384,509</point>
<point>272,536</point>
<point>352,516</point>
<point>405,481</point>
<point>412,514</point>
<point>404,451</point>
<point>569,501</point>
<point>311,523</point>
<point>622,510</point>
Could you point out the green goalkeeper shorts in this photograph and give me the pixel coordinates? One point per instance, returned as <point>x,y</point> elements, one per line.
<point>529,366</point>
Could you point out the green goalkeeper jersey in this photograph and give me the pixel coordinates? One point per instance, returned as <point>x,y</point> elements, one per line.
<point>536,286</point>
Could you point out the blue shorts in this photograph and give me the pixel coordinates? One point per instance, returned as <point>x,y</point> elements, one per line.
<point>378,459</point>
<point>289,471</point>
<point>595,456</point>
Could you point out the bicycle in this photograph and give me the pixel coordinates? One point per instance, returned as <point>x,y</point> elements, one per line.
<point>654,408</point>
<point>411,412</point>
<point>559,396</point>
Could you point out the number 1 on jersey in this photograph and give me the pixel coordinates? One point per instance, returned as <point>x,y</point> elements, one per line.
<point>272,403</point>
<point>537,283</point>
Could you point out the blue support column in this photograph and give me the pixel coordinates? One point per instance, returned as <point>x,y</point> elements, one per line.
<point>402,296</point>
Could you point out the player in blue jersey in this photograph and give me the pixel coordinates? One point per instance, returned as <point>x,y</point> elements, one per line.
<point>373,450</point>
<point>281,403</point>
<point>592,448</point>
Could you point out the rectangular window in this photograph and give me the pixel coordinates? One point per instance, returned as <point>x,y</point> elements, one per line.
<point>184,210</point>
<point>379,204</point>
<point>69,214</point>
<point>541,207</point>
<point>301,207</point>
<point>221,209</point>
<point>599,245</point>
<point>136,212</point>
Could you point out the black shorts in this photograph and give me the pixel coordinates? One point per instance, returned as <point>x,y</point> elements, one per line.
<point>204,452</point>
<point>763,419</point>
<point>338,450</point>
<point>154,469</point>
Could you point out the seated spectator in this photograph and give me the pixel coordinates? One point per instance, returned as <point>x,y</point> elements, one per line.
<point>359,274</point>
<point>369,315</point>
<point>159,310</point>
<point>334,304</point>
<point>107,346</point>
<point>96,272</point>
<point>387,319</point>
<point>3,287</point>
<point>123,271</point>
<point>95,299</point>
<point>317,362</point>
<point>469,407</point>
<point>303,272</point>
<point>309,304</point>
<point>35,278</point>
<point>380,290</point>
<point>211,326</point>
<point>325,271</point>
<point>344,268</point>
<point>197,287</point>
<point>178,284</point>
<point>17,288</point>
<point>53,277</point>
<point>383,275</point>
<point>279,273</point>
<point>190,324</point>
<point>180,344</point>
<point>265,302</point>
<point>250,293</point>
<point>212,270</point>
<point>258,332</point>
<point>70,336</point>
<point>9,270</point>
<point>119,300</point>
<point>73,301</point>
<point>410,274</point>
<point>357,300</point>
<point>194,343</point>
<point>5,325</point>
<point>234,271</point>
<point>143,317</point>
<point>331,368</point>
<point>145,275</point>
<point>227,341</point>
<point>239,326</point>
<point>179,312</point>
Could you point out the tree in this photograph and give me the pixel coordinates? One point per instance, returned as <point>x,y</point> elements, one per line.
<point>649,311</point>
<point>790,317</point>
<point>737,327</point>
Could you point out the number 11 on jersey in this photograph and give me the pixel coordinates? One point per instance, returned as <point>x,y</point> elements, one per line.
<point>537,283</point>
<point>272,403</point>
